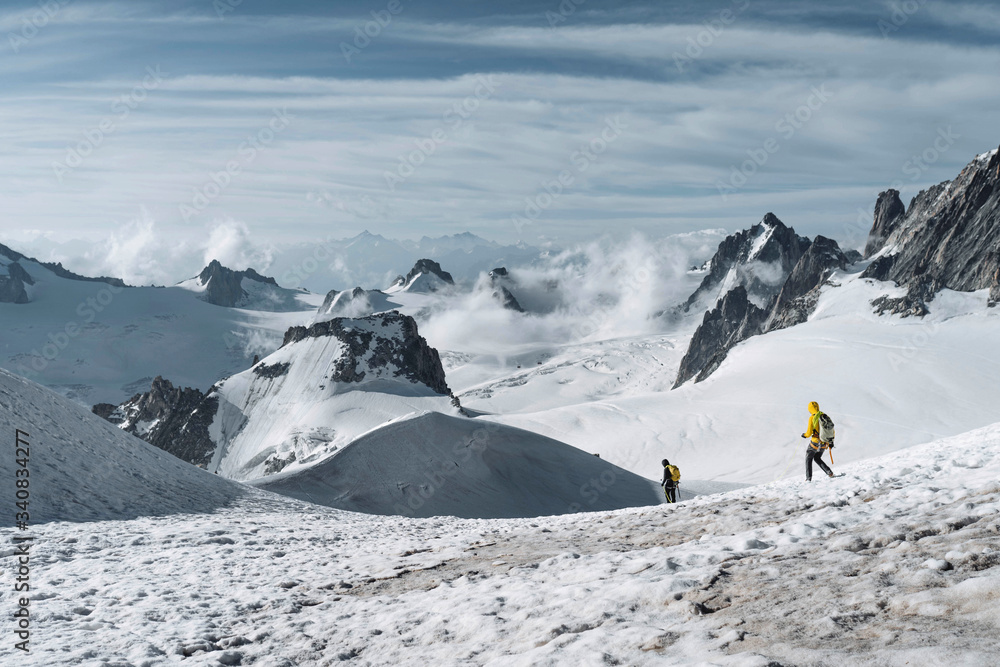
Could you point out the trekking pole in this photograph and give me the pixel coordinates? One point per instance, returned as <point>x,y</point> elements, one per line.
<point>830,449</point>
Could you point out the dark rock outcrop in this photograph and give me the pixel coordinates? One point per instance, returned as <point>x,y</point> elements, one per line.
<point>735,319</point>
<point>224,286</point>
<point>889,211</point>
<point>800,293</point>
<point>994,297</point>
<point>914,302</point>
<point>175,420</point>
<point>949,236</point>
<point>500,279</point>
<point>429,266</point>
<point>12,285</point>
<point>409,354</point>
<point>759,259</point>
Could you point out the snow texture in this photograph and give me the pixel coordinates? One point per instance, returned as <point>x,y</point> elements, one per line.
<point>434,464</point>
<point>895,563</point>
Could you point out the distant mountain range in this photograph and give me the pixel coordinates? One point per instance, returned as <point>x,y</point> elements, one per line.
<point>372,261</point>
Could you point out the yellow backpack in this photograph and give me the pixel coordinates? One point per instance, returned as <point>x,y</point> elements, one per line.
<point>674,472</point>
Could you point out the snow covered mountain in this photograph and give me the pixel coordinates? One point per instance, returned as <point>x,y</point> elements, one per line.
<point>219,285</point>
<point>737,316</point>
<point>425,276</point>
<point>96,340</point>
<point>759,259</point>
<point>351,412</point>
<point>947,239</point>
<point>326,385</point>
<point>16,284</point>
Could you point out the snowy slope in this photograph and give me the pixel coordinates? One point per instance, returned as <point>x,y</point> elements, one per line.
<point>315,395</point>
<point>889,383</point>
<point>82,468</point>
<point>435,464</point>
<point>94,342</point>
<point>895,564</point>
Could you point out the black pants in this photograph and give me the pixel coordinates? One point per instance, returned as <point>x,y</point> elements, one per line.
<point>817,456</point>
<point>670,491</point>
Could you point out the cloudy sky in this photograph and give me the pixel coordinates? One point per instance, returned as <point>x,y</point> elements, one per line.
<point>514,120</point>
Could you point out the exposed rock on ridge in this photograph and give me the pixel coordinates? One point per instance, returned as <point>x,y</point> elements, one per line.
<point>759,259</point>
<point>737,316</point>
<point>175,420</point>
<point>733,320</point>
<point>889,211</point>
<point>12,285</point>
<point>950,235</point>
<point>414,358</point>
<point>498,277</point>
<point>224,286</point>
<point>12,288</point>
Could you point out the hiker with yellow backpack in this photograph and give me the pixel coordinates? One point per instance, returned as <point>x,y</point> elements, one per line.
<point>671,480</point>
<point>820,432</point>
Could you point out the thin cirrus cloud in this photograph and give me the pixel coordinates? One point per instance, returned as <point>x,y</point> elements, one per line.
<point>350,155</point>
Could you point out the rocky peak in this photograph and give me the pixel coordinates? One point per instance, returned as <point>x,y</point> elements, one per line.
<point>799,294</point>
<point>174,419</point>
<point>949,237</point>
<point>734,319</point>
<point>344,297</point>
<point>759,259</point>
<point>429,266</point>
<point>12,285</point>
<point>500,280</point>
<point>383,343</point>
<point>224,287</point>
<point>889,210</point>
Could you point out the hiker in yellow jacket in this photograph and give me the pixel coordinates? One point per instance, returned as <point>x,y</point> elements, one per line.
<point>814,452</point>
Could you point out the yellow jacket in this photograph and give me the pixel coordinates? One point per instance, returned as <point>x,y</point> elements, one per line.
<point>812,426</point>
